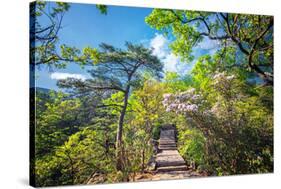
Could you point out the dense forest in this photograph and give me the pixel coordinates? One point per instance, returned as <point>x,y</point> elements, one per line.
<point>107,125</point>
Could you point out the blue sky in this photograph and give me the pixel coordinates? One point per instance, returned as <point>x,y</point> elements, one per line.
<point>83,25</point>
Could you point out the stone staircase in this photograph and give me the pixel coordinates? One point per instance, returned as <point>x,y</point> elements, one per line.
<point>168,158</point>
<point>169,163</point>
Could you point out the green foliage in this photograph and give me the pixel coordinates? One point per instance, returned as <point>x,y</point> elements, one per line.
<point>64,154</point>
<point>146,103</point>
<point>232,130</point>
<point>61,7</point>
<point>174,82</point>
<point>143,121</point>
<point>75,161</point>
<point>93,54</point>
<point>156,132</point>
<point>192,146</point>
<point>231,133</point>
<point>102,8</point>
<point>251,37</point>
<point>56,122</point>
<point>106,126</point>
<point>44,37</point>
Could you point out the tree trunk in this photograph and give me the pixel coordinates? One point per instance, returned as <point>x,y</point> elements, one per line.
<point>119,147</point>
<point>72,168</point>
<point>143,156</point>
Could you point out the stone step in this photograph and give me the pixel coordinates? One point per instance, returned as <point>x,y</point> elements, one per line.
<point>173,144</point>
<point>168,144</point>
<point>167,141</point>
<point>168,158</point>
<point>169,137</point>
<point>172,168</point>
<point>168,127</point>
<point>170,163</point>
<point>167,148</point>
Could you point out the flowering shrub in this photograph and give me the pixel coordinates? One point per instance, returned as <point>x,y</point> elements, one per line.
<point>228,118</point>
<point>191,100</point>
<point>182,102</point>
<point>224,83</point>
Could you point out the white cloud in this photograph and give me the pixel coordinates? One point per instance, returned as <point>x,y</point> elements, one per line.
<point>160,46</point>
<point>170,62</point>
<point>60,75</point>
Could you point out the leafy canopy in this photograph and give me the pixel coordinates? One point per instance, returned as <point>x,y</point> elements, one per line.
<point>248,37</point>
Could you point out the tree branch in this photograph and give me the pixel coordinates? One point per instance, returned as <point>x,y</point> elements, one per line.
<point>255,67</point>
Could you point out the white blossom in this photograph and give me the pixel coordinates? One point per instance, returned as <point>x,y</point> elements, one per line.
<point>186,101</point>
<point>230,77</point>
<point>166,96</point>
<point>222,79</point>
